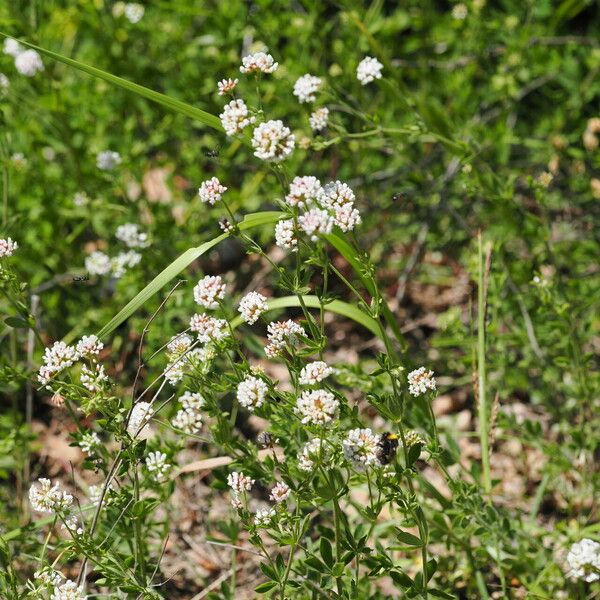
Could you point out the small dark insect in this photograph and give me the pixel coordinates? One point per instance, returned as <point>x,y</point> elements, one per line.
<point>265,440</point>
<point>399,196</point>
<point>213,153</point>
<point>388,444</point>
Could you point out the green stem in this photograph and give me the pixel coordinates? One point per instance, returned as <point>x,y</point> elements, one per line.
<point>481,375</point>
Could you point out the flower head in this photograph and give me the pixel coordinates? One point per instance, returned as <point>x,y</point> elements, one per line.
<point>584,560</point>
<point>281,333</point>
<point>280,492</point>
<point>368,70</point>
<point>304,192</point>
<point>28,63</point>
<point>306,87</point>
<point>239,482</point>
<point>346,217</point>
<point>252,392</point>
<point>226,85</point>
<point>123,261</point>
<point>138,421</point>
<point>252,305</point>
<point>45,497</point>
<point>68,591</point>
<point>319,119</point>
<point>314,373</point>
<point>361,448</point>
<point>264,516</point>
<point>312,452</point>
<point>420,381</point>
<point>88,346</point>
<point>235,117</point>
<point>188,420</point>
<point>57,358</point>
<point>157,465</point>
<point>107,160</point>
<point>178,345</point>
<point>209,290</point>
<point>285,236</point>
<point>131,236</point>
<point>7,247</point>
<point>273,141</point>
<point>336,194</point>
<point>211,190</point>
<point>93,378</point>
<point>315,222</point>
<point>89,441</point>
<point>12,47</point>
<point>208,328</point>
<point>98,263</point>
<point>134,12</point>
<point>317,407</point>
<point>258,62</point>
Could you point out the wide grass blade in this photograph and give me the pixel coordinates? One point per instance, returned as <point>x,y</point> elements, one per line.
<point>176,105</point>
<point>335,306</point>
<point>349,253</point>
<point>178,265</point>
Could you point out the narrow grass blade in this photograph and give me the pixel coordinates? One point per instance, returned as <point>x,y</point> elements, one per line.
<point>176,105</point>
<point>178,265</point>
<point>335,306</point>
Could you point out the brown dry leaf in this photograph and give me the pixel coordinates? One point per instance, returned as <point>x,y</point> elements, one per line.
<point>155,184</point>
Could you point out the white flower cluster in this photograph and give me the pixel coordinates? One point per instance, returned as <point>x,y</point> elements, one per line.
<point>89,441</point>
<point>211,190</point>
<point>317,407</point>
<point>138,426</point>
<point>134,12</point>
<point>7,247</point>
<point>306,87</point>
<point>89,346</point>
<point>47,576</point>
<point>319,119</point>
<point>314,373</point>
<point>27,62</point>
<point>98,263</point>
<point>57,358</point>
<point>208,329</point>
<point>313,451</point>
<point>264,516</point>
<point>108,160</point>
<point>420,381</point>
<point>157,465</point>
<point>584,560</point>
<point>183,358</point>
<point>361,448</point>
<point>235,117</point>
<point>280,334</point>
<point>123,261</point>
<point>251,306</point>
<point>239,482</point>
<point>93,378</point>
<point>285,236</point>
<point>226,85</point>
<point>80,199</point>
<point>273,141</point>
<point>252,392</point>
<point>368,70</point>
<point>45,497</point>
<point>178,345</point>
<point>324,206</point>
<point>209,291</point>
<point>131,236</point>
<point>189,417</point>
<point>258,62</point>
<point>68,591</point>
<point>280,493</point>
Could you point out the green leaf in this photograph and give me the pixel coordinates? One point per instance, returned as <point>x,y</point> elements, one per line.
<point>265,587</point>
<point>178,265</point>
<point>16,323</point>
<point>408,538</point>
<point>326,551</point>
<point>176,105</point>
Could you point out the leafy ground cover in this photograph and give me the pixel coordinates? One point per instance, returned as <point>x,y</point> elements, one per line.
<point>299,301</point>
